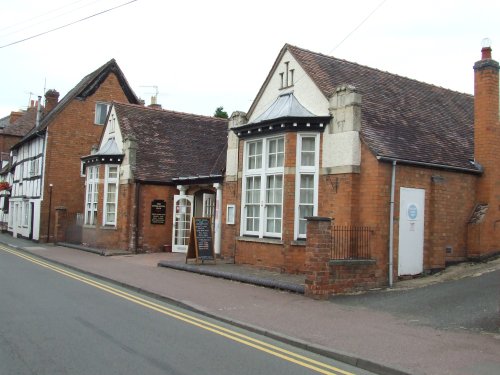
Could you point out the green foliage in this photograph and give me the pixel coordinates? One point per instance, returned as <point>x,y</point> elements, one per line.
<point>220,113</point>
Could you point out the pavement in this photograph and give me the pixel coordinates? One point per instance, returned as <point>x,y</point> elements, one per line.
<point>272,304</point>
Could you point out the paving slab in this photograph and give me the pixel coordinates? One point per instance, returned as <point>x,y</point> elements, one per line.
<point>375,340</point>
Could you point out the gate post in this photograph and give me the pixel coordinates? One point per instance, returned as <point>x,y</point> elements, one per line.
<point>318,252</point>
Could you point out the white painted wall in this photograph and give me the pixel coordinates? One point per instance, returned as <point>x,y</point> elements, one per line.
<point>27,188</point>
<point>112,132</point>
<point>341,149</point>
<point>304,89</point>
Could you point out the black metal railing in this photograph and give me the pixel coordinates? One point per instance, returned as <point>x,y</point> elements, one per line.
<point>351,242</point>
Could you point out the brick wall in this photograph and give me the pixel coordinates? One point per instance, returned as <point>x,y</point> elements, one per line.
<point>364,199</point>
<point>153,237</point>
<point>71,136</point>
<point>146,237</point>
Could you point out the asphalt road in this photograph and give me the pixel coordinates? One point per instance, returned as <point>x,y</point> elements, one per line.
<point>56,321</point>
<point>471,303</point>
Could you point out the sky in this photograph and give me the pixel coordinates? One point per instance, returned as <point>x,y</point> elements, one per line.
<point>205,54</point>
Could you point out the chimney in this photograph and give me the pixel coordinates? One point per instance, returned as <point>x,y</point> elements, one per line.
<point>154,104</point>
<point>51,100</point>
<point>14,116</point>
<point>486,105</point>
<point>486,141</point>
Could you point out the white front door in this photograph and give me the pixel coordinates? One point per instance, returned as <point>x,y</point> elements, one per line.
<point>411,231</point>
<point>183,212</point>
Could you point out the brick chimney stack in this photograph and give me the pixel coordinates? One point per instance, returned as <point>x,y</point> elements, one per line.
<point>14,115</point>
<point>51,100</point>
<point>487,148</point>
<point>486,109</point>
<point>154,104</point>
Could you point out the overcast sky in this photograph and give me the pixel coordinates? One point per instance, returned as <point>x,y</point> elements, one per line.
<point>204,54</point>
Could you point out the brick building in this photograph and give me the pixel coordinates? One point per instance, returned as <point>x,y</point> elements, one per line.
<point>46,167</point>
<point>14,127</point>
<point>153,171</point>
<point>412,166</point>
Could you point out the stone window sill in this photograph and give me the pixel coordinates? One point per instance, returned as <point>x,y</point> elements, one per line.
<point>275,241</point>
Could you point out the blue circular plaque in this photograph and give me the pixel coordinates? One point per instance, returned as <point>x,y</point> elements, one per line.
<point>412,211</point>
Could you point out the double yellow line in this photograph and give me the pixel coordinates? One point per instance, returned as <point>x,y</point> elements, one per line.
<point>273,350</point>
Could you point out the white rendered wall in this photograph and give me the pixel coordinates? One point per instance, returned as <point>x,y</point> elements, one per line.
<point>304,89</point>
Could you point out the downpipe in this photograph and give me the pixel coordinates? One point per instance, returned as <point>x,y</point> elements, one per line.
<point>391,224</point>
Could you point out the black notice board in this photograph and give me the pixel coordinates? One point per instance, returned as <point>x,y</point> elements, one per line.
<point>201,242</point>
<point>158,211</point>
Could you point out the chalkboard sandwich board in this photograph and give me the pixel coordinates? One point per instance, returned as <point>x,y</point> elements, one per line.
<point>201,240</point>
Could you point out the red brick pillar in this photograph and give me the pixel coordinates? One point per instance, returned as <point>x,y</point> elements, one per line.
<point>318,252</point>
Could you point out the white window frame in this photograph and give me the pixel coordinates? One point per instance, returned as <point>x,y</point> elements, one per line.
<point>18,214</point>
<point>111,181</point>
<point>91,195</point>
<point>230,214</point>
<point>34,167</point>
<point>305,170</point>
<point>98,114</point>
<point>26,210</point>
<point>262,172</point>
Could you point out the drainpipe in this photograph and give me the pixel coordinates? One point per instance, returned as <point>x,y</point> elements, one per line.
<point>218,218</point>
<point>391,223</point>
<point>50,209</point>
<point>136,216</point>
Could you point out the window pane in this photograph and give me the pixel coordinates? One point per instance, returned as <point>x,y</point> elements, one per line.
<point>101,110</point>
<point>272,146</point>
<point>254,155</point>
<point>281,145</point>
<point>306,181</point>
<point>306,196</point>
<point>113,172</point>
<point>302,226</point>
<point>305,211</point>
<point>308,143</point>
<point>275,153</point>
<point>280,159</point>
<point>307,155</point>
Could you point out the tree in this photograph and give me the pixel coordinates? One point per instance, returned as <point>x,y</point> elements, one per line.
<point>220,113</point>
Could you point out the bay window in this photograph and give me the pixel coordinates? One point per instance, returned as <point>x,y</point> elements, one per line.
<point>91,195</point>
<point>110,195</point>
<point>306,184</point>
<point>262,213</point>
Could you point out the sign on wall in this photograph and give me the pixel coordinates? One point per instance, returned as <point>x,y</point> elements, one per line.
<point>158,211</point>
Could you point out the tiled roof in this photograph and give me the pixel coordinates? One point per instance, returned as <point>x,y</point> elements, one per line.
<point>4,121</point>
<point>173,144</point>
<point>22,125</point>
<point>401,118</point>
<point>86,87</point>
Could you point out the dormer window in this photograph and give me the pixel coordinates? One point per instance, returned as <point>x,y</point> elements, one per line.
<point>101,111</point>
